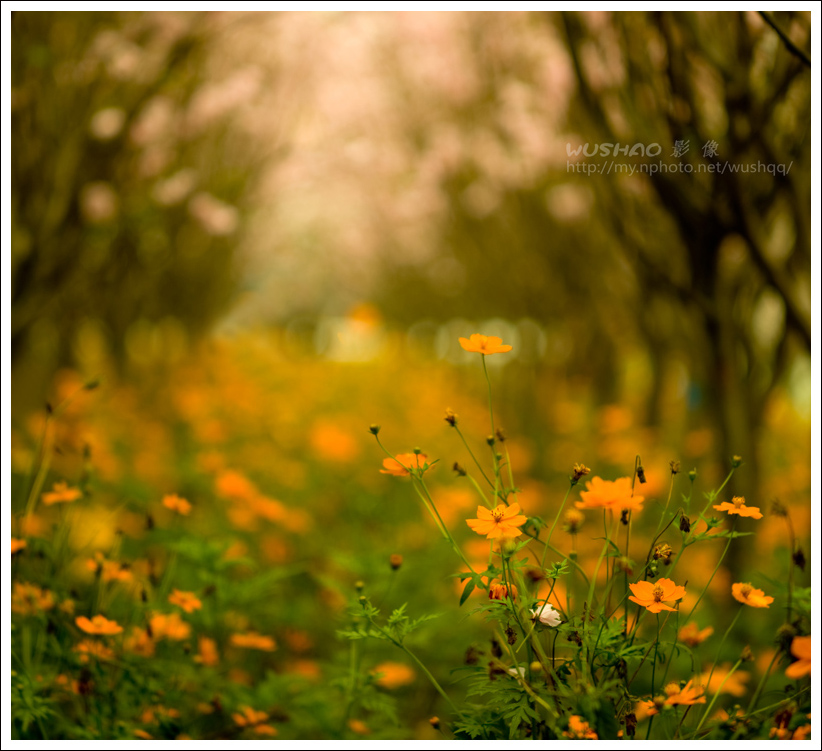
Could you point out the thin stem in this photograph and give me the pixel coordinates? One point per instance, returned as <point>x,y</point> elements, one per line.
<point>471,453</point>
<point>705,588</point>
<point>716,694</point>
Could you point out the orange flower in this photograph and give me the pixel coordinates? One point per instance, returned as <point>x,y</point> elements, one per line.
<point>737,506</point>
<point>254,720</point>
<point>109,570</point>
<point>485,345</point>
<point>399,467</point>
<point>801,649</point>
<point>169,626</point>
<point>732,683</point>
<point>89,648</point>
<point>207,653</point>
<point>691,636</point>
<point>17,545</point>
<point>747,595</point>
<point>503,521</point>
<point>645,708</point>
<point>614,496</point>
<point>499,591</point>
<point>253,640</point>
<point>186,600</point>
<point>29,599</point>
<point>139,642</point>
<point>653,596</point>
<point>61,493</point>
<point>177,504</point>
<point>579,730</point>
<point>688,694</point>
<point>98,625</point>
<point>393,675</point>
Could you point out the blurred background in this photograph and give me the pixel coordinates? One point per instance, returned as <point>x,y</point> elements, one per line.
<point>262,232</point>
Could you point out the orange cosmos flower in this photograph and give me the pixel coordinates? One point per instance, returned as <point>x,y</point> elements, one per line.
<point>88,648</point>
<point>737,506</point>
<point>254,720</point>
<point>614,496</point>
<point>503,521</point>
<point>485,345</point>
<point>207,654</point>
<point>393,675</point>
<point>691,636</point>
<point>654,596</point>
<point>186,600</point>
<point>747,595</point>
<point>253,640</point>
<point>579,729</point>
<point>177,504</point>
<point>169,626</point>
<point>29,599</point>
<point>139,642</point>
<point>801,649</point>
<point>399,467</point>
<point>688,694</point>
<point>61,493</point>
<point>499,591</point>
<point>17,545</point>
<point>98,625</point>
<point>735,683</point>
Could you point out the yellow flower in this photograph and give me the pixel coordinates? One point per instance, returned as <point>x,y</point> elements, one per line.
<point>485,345</point>
<point>503,521</point>
<point>98,625</point>
<point>186,600</point>
<point>653,596</point>
<point>737,506</point>
<point>747,595</point>
<point>801,649</point>
<point>61,493</point>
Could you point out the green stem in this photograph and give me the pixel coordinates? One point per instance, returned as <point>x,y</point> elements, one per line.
<point>716,694</point>
<point>705,588</point>
<point>471,453</point>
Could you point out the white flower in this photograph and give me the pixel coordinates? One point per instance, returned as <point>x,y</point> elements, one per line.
<point>517,672</point>
<point>547,615</point>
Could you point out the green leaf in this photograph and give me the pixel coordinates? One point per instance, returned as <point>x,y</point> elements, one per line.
<point>467,590</point>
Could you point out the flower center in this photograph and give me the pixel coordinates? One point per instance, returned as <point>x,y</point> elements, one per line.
<point>497,514</point>
<point>745,590</point>
<point>658,593</point>
<point>738,500</point>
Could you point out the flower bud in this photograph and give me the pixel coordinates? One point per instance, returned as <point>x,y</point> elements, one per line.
<point>736,461</point>
<point>451,418</point>
<point>684,523</point>
<point>435,723</point>
<point>692,474</point>
<point>374,429</point>
<point>396,561</point>
<point>459,469</point>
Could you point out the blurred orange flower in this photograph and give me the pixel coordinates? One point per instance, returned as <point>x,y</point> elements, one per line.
<point>186,600</point>
<point>616,495</point>
<point>254,720</point>
<point>397,467</point>
<point>253,640</point>
<point>98,625</point>
<point>732,683</point>
<point>691,636</point>
<point>688,694</point>
<point>485,345</point>
<point>747,595</point>
<point>579,729</point>
<point>503,521</point>
<point>61,493</point>
<point>177,504</point>
<point>169,626</point>
<point>207,652</point>
<point>737,506</point>
<point>88,648</point>
<point>139,642</point>
<point>29,599</point>
<point>17,545</point>
<point>801,649</point>
<point>393,675</point>
<point>653,596</point>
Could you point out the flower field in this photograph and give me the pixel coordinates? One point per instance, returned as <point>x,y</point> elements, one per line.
<point>252,542</point>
